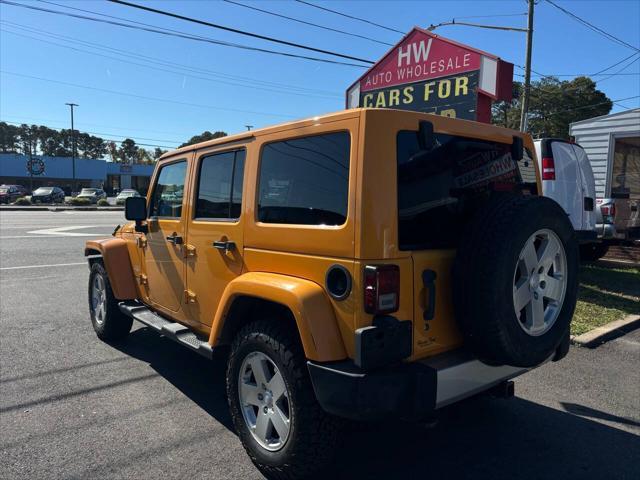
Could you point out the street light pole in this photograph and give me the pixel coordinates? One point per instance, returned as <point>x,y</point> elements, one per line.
<point>527,70</point>
<point>73,149</point>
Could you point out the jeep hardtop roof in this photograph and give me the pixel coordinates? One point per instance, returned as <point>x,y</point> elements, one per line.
<point>474,129</point>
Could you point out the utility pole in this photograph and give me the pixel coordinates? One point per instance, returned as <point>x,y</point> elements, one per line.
<point>74,186</point>
<point>527,70</point>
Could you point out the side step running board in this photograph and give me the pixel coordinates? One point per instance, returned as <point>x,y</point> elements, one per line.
<point>173,330</point>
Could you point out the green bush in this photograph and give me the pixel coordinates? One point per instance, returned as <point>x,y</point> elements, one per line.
<point>22,201</point>
<point>80,202</point>
<point>103,202</point>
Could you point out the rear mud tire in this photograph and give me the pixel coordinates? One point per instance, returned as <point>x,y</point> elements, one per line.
<point>312,439</point>
<point>485,272</point>
<point>109,323</point>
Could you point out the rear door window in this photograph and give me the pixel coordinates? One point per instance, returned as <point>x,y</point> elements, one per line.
<point>220,186</point>
<point>437,193</point>
<point>305,180</point>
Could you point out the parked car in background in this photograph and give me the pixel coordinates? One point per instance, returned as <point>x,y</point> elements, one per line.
<point>567,178</point>
<point>48,195</point>
<point>124,194</point>
<point>92,194</point>
<point>10,193</point>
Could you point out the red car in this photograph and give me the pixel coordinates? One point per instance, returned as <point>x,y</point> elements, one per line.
<point>9,193</point>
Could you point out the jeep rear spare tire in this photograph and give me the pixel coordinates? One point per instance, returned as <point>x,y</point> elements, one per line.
<point>515,280</point>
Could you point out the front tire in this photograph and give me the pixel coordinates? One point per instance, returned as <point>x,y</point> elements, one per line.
<point>109,323</point>
<point>276,415</point>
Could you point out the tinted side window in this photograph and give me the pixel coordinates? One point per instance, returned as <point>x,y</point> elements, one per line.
<point>220,185</point>
<point>305,180</point>
<point>169,191</point>
<point>438,191</point>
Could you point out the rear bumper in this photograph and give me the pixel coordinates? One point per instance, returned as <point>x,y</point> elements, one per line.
<point>409,391</point>
<point>606,231</point>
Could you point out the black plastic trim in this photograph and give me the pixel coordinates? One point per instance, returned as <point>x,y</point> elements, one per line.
<point>406,391</point>
<point>387,341</point>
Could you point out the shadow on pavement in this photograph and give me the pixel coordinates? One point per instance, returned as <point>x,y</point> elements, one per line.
<point>482,438</point>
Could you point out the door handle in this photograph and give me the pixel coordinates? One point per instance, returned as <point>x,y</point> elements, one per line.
<point>224,245</point>
<point>175,239</point>
<point>429,281</point>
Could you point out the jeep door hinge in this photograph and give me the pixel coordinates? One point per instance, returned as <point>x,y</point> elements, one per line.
<point>142,242</point>
<point>189,251</point>
<point>142,279</point>
<point>189,296</point>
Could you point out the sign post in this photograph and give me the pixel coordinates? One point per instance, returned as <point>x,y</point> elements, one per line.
<point>428,73</point>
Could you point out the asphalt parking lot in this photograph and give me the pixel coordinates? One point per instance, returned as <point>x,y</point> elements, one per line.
<point>74,407</point>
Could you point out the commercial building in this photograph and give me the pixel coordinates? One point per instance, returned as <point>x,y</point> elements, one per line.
<point>612,143</point>
<point>58,171</point>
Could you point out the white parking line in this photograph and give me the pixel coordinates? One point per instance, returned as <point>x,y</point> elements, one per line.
<point>43,266</point>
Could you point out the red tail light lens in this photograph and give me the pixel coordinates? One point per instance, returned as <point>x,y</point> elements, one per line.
<point>548,169</point>
<point>608,210</point>
<point>381,288</point>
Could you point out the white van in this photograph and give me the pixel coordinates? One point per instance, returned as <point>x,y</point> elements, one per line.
<point>567,178</point>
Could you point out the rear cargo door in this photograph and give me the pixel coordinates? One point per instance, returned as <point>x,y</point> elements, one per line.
<point>566,189</point>
<point>588,185</point>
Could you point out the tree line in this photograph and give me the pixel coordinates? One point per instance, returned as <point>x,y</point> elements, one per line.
<point>42,140</point>
<point>553,105</point>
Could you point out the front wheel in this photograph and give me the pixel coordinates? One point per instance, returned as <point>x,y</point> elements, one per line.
<point>276,415</point>
<point>109,323</point>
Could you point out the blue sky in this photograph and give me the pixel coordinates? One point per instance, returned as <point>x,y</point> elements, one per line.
<point>261,89</point>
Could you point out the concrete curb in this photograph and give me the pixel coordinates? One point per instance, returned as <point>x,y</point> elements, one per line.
<point>609,331</point>
<point>44,208</point>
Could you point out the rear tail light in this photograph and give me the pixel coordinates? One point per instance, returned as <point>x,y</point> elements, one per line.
<point>548,169</point>
<point>608,212</point>
<point>381,288</point>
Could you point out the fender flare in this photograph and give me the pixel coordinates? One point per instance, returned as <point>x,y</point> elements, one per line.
<point>307,301</point>
<point>115,256</point>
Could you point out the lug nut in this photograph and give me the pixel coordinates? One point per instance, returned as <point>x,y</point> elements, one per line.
<point>541,269</point>
<point>260,397</point>
<point>265,409</point>
<point>543,284</point>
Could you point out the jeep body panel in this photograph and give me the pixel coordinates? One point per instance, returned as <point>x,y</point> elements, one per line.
<point>117,262</point>
<point>307,302</point>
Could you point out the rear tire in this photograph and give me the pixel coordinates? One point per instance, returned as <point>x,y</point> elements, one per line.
<point>591,252</point>
<point>301,447</point>
<point>109,323</point>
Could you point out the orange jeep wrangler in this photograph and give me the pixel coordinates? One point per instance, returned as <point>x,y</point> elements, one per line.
<point>367,264</point>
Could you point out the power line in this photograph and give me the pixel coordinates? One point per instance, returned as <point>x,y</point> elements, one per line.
<point>351,17</point>
<point>163,100</point>
<point>176,33</point>
<point>616,64</point>
<point>591,26</point>
<point>592,105</point>
<point>238,31</point>
<point>176,72</point>
<point>304,22</point>
<point>254,81</point>
<point>498,15</point>
<point>617,72</point>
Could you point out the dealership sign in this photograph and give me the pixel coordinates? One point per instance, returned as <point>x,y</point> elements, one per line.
<point>427,73</point>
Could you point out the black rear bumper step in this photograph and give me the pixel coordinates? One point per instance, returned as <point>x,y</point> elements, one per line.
<point>175,331</point>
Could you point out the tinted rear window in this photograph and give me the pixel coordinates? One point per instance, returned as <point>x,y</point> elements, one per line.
<point>305,180</point>
<point>437,193</point>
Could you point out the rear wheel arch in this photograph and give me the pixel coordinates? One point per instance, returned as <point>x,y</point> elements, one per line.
<point>301,303</point>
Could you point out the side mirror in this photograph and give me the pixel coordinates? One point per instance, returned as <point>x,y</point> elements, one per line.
<point>135,208</point>
<point>425,135</point>
<point>517,148</point>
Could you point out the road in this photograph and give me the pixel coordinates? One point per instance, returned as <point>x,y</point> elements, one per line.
<point>74,407</point>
